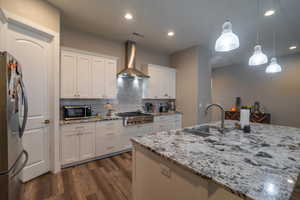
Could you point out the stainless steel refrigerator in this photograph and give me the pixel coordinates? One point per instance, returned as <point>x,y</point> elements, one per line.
<point>13,117</point>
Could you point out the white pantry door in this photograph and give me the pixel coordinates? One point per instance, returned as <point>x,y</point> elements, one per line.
<point>33,52</point>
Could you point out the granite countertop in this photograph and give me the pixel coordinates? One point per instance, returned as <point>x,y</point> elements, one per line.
<point>105,118</point>
<point>165,113</point>
<point>261,165</point>
<point>91,119</point>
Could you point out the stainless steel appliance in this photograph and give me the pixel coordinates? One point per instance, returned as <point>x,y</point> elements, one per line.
<point>149,107</point>
<point>172,106</point>
<point>135,118</point>
<point>130,55</point>
<point>163,108</point>
<point>77,112</point>
<point>13,116</point>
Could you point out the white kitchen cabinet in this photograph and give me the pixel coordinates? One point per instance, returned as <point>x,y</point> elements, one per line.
<point>98,77</point>
<point>83,78</point>
<point>167,122</point>
<point>77,142</point>
<point>108,137</point>
<point>87,76</point>
<point>68,74</point>
<point>134,131</point>
<point>161,84</point>
<point>172,85</point>
<point>110,79</point>
<point>86,141</point>
<point>86,145</point>
<point>69,147</point>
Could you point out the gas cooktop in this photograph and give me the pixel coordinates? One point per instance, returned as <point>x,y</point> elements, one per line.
<point>132,114</point>
<point>135,118</point>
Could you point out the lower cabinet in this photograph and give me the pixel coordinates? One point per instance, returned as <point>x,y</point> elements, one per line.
<point>85,141</point>
<point>69,148</point>
<point>86,145</point>
<point>108,137</point>
<point>167,122</point>
<point>78,142</point>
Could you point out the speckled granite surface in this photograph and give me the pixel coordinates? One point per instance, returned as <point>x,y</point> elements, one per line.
<point>261,165</point>
<point>165,113</point>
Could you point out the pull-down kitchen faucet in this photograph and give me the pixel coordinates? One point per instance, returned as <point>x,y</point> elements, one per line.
<point>222,115</point>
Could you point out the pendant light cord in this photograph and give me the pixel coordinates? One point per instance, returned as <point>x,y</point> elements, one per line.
<point>274,44</point>
<point>257,35</point>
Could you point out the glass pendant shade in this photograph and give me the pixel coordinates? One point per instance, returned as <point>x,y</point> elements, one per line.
<point>228,40</point>
<point>258,57</point>
<point>273,67</point>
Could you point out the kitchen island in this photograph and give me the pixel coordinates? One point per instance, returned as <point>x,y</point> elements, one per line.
<point>261,165</point>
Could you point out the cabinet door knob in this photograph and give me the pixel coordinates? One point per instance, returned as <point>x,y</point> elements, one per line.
<point>47,121</point>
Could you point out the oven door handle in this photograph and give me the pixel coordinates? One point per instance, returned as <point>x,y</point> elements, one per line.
<point>25,117</point>
<point>15,173</point>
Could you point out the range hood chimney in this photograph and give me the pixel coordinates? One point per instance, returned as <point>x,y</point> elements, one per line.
<point>130,70</point>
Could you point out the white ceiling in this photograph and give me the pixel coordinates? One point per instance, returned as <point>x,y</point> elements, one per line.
<point>195,22</point>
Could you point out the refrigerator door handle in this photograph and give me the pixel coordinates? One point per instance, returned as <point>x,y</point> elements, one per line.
<point>25,117</point>
<point>12,169</point>
<point>15,173</point>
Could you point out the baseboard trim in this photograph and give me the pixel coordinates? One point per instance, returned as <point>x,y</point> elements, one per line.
<point>96,158</point>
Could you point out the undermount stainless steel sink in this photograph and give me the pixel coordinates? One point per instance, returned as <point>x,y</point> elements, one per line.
<point>204,130</point>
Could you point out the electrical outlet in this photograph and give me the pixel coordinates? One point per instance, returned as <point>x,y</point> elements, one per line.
<point>166,171</point>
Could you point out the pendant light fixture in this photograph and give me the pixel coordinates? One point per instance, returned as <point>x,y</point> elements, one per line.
<point>258,57</point>
<point>228,41</point>
<point>273,67</point>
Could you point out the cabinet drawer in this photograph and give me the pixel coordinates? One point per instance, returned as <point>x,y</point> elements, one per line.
<point>109,135</point>
<point>161,118</point>
<point>167,118</point>
<point>78,128</point>
<point>103,149</point>
<point>109,125</point>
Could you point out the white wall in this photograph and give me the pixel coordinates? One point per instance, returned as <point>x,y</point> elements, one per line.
<point>89,42</point>
<point>37,11</point>
<point>278,93</point>
<point>193,83</point>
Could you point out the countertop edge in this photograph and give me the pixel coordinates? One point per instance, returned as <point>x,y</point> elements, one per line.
<point>239,194</point>
<point>63,122</point>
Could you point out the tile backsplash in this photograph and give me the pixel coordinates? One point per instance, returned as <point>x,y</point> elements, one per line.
<point>129,98</point>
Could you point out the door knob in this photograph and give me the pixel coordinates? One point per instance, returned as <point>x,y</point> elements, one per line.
<point>47,121</point>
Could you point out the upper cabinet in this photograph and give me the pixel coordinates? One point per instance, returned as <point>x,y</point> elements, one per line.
<point>87,76</point>
<point>161,84</point>
<point>68,75</point>
<point>110,81</point>
<point>83,76</point>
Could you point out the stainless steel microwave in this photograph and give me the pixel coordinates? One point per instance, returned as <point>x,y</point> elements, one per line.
<point>77,112</point>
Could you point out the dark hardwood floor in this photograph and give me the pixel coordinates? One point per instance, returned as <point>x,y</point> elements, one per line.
<point>107,179</point>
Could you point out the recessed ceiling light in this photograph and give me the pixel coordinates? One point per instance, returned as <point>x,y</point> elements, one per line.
<point>171,33</point>
<point>128,16</point>
<point>293,47</point>
<point>269,13</point>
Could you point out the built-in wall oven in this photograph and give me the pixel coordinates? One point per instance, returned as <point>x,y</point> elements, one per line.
<point>77,112</point>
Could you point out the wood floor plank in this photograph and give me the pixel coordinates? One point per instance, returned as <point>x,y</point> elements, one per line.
<point>106,179</point>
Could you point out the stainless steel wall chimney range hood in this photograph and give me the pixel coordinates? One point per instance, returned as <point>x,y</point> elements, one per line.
<point>130,71</point>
